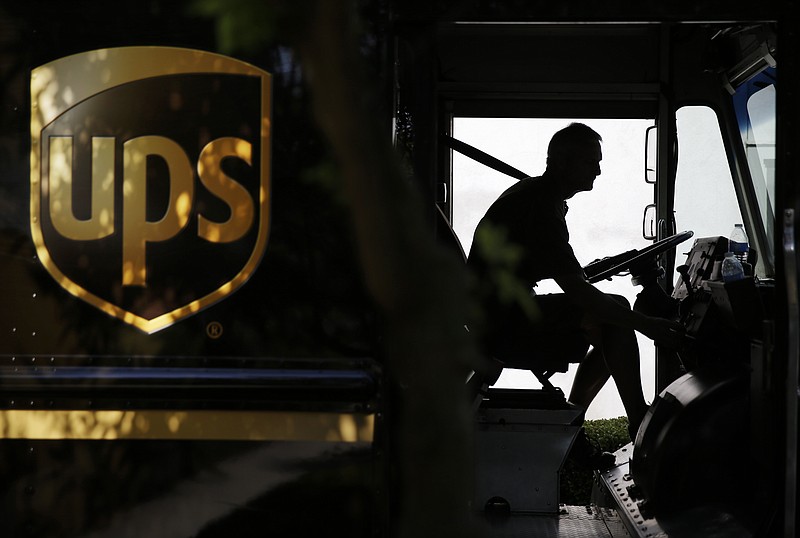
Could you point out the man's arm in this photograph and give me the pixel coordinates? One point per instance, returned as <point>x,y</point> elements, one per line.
<point>606,310</point>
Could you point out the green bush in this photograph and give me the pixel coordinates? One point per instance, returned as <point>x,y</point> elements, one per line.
<point>576,482</point>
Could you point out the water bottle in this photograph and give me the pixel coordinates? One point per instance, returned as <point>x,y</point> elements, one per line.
<point>732,269</point>
<point>738,243</point>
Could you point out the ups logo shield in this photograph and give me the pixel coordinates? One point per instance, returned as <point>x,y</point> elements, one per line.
<point>150,178</point>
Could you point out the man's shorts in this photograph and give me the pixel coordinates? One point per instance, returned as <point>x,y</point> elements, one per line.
<point>551,341</point>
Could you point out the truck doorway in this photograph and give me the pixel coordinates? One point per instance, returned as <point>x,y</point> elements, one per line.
<point>602,223</point>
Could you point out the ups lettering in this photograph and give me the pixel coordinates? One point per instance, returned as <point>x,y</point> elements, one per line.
<point>123,218</point>
<point>137,231</point>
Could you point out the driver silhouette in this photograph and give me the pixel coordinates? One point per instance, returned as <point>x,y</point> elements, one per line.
<point>523,239</point>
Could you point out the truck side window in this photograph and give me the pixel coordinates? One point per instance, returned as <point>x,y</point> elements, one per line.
<point>760,146</point>
<point>758,135</point>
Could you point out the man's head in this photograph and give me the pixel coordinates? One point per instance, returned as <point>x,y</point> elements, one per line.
<point>574,154</point>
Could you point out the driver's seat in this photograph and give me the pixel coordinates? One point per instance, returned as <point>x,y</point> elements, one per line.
<point>522,437</point>
<point>549,362</point>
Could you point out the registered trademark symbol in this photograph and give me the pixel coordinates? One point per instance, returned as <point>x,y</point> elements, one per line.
<point>214,329</point>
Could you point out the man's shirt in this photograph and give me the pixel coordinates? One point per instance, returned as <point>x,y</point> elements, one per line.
<point>531,216</point>
<point>523,239</point>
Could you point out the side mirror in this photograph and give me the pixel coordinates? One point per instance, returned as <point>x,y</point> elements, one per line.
<point>649,230</point>
<point>650,155</point>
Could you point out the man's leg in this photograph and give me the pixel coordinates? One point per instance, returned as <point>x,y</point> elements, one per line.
<point>616,354</point>
<point>621,353</point>
<point>590,377</point>
<point>592,374</point>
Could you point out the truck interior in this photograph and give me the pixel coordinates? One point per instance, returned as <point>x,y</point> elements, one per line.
<point>701,97</point>
<point>276,412</point>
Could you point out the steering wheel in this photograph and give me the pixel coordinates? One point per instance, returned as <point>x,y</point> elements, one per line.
<point>608,267</point>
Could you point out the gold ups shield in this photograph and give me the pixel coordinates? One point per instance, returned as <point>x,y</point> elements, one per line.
<point>150,178</point>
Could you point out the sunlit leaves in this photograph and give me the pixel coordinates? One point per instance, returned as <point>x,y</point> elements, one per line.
<point>502,258</point>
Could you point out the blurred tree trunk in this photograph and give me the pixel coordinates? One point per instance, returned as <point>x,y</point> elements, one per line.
<point>419,288</point>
